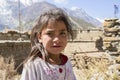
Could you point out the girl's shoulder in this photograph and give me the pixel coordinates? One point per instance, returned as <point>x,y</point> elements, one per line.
<point>32,62</point>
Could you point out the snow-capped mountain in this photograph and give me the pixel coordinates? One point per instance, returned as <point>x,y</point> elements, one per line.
<point>29,12</point>
<point>80,13</point>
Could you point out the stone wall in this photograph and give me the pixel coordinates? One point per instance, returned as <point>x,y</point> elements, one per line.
<point>77,34</point>
<point>16,49</point>
<point>13,35</point>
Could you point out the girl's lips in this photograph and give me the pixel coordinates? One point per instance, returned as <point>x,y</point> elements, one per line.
<point>56,46</point>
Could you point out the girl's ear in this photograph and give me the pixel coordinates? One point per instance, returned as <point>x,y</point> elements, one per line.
<point>39,38</point>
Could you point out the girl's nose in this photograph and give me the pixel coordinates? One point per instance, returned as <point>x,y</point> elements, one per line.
<point>56,39</point>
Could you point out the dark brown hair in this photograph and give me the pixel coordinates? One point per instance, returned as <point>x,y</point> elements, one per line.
<point>57,14</point>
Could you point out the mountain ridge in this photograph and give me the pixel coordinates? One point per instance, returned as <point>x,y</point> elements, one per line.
<point>29,14</point>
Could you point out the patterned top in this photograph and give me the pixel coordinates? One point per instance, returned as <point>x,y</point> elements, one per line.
<point>38,69</point>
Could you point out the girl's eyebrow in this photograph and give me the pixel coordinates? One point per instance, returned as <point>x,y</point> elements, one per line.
<point>63,30</point>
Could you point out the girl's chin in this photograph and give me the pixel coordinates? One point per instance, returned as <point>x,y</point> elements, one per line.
<point>55,52</point>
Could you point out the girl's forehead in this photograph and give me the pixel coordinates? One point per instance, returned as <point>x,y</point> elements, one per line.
<point>55,25</point>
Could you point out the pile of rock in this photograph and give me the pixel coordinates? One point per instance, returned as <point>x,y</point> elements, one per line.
<point>111,27</point>
<point>111,39</point>
<point>111,34</point>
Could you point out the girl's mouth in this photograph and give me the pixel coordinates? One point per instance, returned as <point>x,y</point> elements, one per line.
<point>57,46</point>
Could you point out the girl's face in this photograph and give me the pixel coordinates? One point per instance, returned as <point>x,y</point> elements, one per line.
<point>54,37</point>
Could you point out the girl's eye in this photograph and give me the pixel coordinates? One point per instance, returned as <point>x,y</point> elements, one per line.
<point>63,33</point>
<point>50,34</point>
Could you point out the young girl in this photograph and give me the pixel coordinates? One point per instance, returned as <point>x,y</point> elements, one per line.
<point>48,39</point>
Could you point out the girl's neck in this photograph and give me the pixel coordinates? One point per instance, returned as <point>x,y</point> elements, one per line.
<point>54,59</point>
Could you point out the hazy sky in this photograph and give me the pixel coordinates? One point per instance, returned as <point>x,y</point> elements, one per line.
<point>99,9</point>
